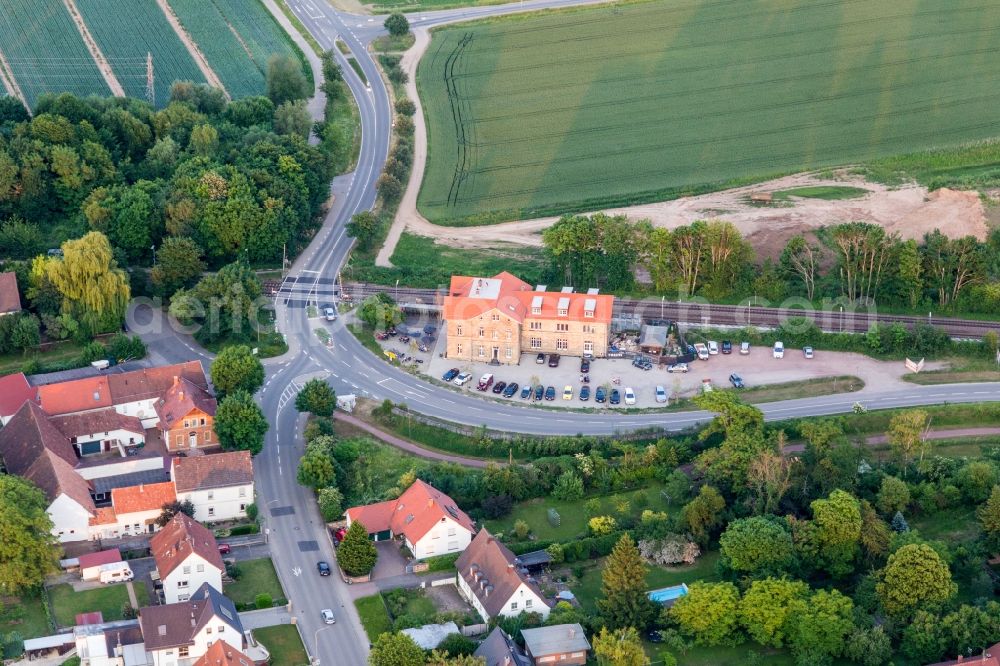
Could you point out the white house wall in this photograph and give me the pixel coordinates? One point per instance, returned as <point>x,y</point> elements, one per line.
<point>211,632</point>
<point>527,602</point>
<point>447,536</point>
<point>218,504</point>
<point>69,519</point>
<point>188,577</point>
<point>127,525</point>
<point>144,410</point>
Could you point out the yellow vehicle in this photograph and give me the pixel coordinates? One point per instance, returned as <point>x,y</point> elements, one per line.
<point>568,392</point>
<point>391,355</point>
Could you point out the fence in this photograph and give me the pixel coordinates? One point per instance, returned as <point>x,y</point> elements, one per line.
<point>475,629</point>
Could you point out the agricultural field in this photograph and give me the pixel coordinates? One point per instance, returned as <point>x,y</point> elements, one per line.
<point>45,51</point>
<point>260,32</point>
<point>567,111</point>
<point>126,31</point>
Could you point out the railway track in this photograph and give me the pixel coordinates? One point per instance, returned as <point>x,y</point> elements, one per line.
<point>707,315</point>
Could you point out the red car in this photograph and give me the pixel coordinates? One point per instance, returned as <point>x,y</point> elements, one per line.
<point>224,549</point>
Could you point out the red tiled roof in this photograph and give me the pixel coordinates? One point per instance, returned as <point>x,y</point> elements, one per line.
<point>181,537</point>
<point>93,617</point>
<point>182,398</point>
<point>144,497</point>
<point>103,516</point>
<point>488,563</point>
<point>413,514</point>
<point>77,395</point>
<point>147,383</point>
<point>10,299</point>
<point>222,653</point>
<point>217,470</point>
<point>514,298</point>
<point>991,657</point>
<point>14,391</point>
<point>97,559</point>
<point>101,420</point>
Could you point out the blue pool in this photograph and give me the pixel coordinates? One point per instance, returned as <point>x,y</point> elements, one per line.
<point>668,595</point>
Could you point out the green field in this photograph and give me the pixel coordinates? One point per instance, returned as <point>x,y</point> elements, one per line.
<point>576,110</point>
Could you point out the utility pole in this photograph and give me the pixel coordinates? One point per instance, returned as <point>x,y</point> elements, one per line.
<point>150,88</point>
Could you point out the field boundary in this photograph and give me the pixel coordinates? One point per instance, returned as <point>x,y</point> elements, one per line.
<point>9,82</point>
<point>95,51</point>
<point>199,58</point>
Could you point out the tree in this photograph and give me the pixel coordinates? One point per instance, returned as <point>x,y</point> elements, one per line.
<point>620,647</point>
<point>766,609</point>
<point>28,550</point>
<point>171,509</point>
<point>976,479</point>
<point>262,601</point>
<point>899,524</point>
<point>868,647</point>
<point>821,624</point>
<point>568,486</point>
<point>380,312</point>
<point>439,658</point>
<point>893,495</point>
<point>704,513</point>
<point>906,434</point>
<point>316,468</point>
<point>989,517</point>
<point>397,25</point>
<point>757,545</point>
<point>601,525</point>
<point>624,602</point>
<point>293,118</point>
<point>317,398</point>
<point>864,250</point>
<point>240,424</point>
<point>457,645</point>
<point>285,80</point>
<point>357,554</point>
<point>395,649</point>
<point>914,577</point>
<point>769,477</point>
<point>26,333</point>
<point>923,638</point>
<point>222,305</point>
<point>363,226</point>
<point>743,428</point>
<point>94,290</point>
<point>331,503</point>
<point>910,271</point>
<point>837,520</point>
<point>950,265</point>
<point>236,368</point>
<point>801,260</point>
<point>708,613</point>
<point>178,265</point>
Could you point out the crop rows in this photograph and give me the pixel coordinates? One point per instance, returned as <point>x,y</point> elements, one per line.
<point>126,30</point>
<point>45,51</point>
<point>262,35</point>
<point>654,100</point>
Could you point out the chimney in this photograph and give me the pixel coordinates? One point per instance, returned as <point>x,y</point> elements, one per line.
<point>175,380</point>
<point>510,568</point>
<point>181,394</point>
<point>489,539</point>
<point>140,488</point>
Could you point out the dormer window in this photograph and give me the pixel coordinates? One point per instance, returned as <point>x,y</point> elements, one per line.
<point>563,307</point>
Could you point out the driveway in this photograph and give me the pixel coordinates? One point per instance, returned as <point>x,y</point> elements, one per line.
<point>391,562</point>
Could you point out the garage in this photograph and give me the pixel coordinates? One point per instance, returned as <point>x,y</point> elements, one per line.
<point>384,535</point>
<point>89,448</point>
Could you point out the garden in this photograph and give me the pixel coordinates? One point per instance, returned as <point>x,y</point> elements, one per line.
<point>254,584</point>
<point>110,600</point>
<point>394,610</point>
<point>284,644</point>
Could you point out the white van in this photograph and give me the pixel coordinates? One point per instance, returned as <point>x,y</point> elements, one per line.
<point>713,347</point>
<point>115,572</point>
<point>779,349</point>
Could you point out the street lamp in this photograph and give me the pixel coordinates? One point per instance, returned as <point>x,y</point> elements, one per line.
<point>267,530</point>
<point>397,291</point>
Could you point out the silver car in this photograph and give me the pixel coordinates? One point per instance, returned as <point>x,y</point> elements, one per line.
<point>327,616</point>
<point>661,394</point>
<point>330,314</point>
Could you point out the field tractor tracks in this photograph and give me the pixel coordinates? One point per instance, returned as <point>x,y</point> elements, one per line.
<point>95,51</point>
<point>459,110</point>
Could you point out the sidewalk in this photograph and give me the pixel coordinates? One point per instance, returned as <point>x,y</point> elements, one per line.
<point>267,617</point>
<point>408,446</point>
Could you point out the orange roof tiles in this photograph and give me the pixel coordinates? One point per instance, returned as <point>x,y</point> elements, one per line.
<point>14,391</point>
<point>75,396</point>
<point>413,514</point>
<point>183,536</point>
<point>182,398</point>
<point>10,299</point>
<point>103,516</point>
<point>222,653</point>
<point>144,497</point>
<point>470,297</point>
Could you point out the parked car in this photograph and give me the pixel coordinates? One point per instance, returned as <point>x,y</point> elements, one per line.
<point>727,347</point>
<point>553,360</point>
<point>450,375</point>
<point>701,350</point>
<point>550,393</point>
<point>330,314</point>
<point>600,395</point>
<point>808,351</point>
<point>642,363</point>
<point>485,382</point>
<point>713,347</point>
<point>462,379</point>
<point>327,616</point>
<point>499,387</point>
<point>539,392</point>
<point>744,348</point>
<point>323,568</point>
<point>629,396</point>
<point>225,549</point>
<point>584,393</point>
<point>661,394</point>
<point>616,397</point>
<point>540,359</point>
<point>567,392</point>
<point>678,367</point>
<point>585,366</point>
<point>526,392</point>
<point>511,390</point>
<point>779,350</point>
<point>736,381</point>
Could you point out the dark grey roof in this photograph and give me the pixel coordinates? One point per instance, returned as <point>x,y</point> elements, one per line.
<point>534,558</point>
<point>106,484</point>
<point>175,625</point>
<point>498,648</point>
<point>84,372</point>
<point>554,640</point>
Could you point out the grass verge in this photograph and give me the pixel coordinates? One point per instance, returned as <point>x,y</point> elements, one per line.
<point>356,66</point>
<point>109,600</point>
<point>808,388</point>
<point>374,616</point>
<point>256,577</point>
<point>393,44</point>
<point>284,644</point>
<point>269,345</point>
<point>827,192</point>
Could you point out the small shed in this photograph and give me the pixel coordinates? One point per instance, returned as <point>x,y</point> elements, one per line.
<point>93,617</point>
<point>91,563</point>
<point>652,339</point>
<point>534,562</point>
<point>761,198</point>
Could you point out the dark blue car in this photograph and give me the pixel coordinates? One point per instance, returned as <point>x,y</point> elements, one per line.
<point>450,375</point>
<point>510,390</point>
<point>550,393</point>
<point>616,397</point>
<point>539,390</point>
<point>525,392</point>
<point>600,395</point>
<point>584,393</point>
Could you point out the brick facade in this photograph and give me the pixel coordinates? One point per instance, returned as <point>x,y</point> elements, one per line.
<point>194,430</point>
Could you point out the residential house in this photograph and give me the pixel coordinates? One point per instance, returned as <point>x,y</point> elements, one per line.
<point>428,521</point>
<point>187,414</point>
<point>91,563</point>
<point>220,485</point>
<point>223,654</point>
<point>499,649</point>
<point>492,581</point>
<point>14,392</point>
<point>187,557</point>
<point>987,657</point>
<point>495,320</point>
<point>133,510</point>
<point>119,644</point>
<point>101,431</point>
<point>174,633</point>
<point>10,298</point>
<point>559,643</point>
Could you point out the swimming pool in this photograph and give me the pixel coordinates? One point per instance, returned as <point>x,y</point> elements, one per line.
<point>668,595</point>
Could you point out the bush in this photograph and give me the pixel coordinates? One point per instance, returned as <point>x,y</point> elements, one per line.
<point>234,572</point>
<point>263,600</point>
<point>252,511</point>
<point>457,645</point>
<point>242,530</point>
<point>442,562</point>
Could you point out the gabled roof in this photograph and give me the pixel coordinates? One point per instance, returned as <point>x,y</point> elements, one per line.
<point>219,470</point>
<point>144,497</point>
<point>97,559</point>
<point>148,383</point>
<point>78,395</point>
<point>221,653</point>
<point>33,448</point>
<point>10,299</point>
<point>988,657</point>
<point>499,649</point>
<point>470,297</point>
<point>413,514</point>
<point>176,625</point>
<point>555,639</point>
<point>182,398</point>
<point>178,540</point>
<point>97,421</point>
<point>492,573</point>
<point>14,392</point>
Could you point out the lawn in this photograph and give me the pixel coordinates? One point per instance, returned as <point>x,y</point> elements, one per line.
<point>802,389</point>
<point>109,600</point>
<point>588,588</point>
<point>284,644</point>
<point>573,521</point>
<point>827,192</point>
<point>582,109</point>
<point>26,616</point>
<point>258,577</point>
<point>374,616</point>
<point>952,526</point>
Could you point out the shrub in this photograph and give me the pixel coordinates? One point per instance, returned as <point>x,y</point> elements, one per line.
<point>602,525</point>
<point>263,600</point>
